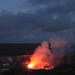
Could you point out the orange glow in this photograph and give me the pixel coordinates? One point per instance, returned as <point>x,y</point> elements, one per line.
<point>42,58</point>
<point>31,65</point>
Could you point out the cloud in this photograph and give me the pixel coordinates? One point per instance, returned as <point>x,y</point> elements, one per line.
<point>44,19</point>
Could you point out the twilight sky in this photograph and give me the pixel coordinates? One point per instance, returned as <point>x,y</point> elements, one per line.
<point>28,21</point>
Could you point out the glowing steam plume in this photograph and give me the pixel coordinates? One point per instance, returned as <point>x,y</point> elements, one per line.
<point>46,56</point>
<point>42,58</point>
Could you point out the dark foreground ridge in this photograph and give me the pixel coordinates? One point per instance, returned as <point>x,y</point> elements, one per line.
<point>61,70</point>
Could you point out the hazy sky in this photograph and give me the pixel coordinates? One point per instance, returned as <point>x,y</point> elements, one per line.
<point>31,21</point>
<point>11,5</point>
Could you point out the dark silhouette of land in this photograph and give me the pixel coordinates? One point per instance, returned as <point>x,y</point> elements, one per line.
<point>17,49</point>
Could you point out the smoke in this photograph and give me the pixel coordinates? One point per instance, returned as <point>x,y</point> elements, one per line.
<point>48,56</point>
<point>59,46</point>
<point>42,56</point>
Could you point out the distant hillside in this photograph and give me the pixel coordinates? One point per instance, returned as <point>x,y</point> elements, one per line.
<point>17,49</point>
<point>69,58</point>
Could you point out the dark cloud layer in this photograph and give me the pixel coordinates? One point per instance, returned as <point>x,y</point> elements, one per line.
<point>49,18</point>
